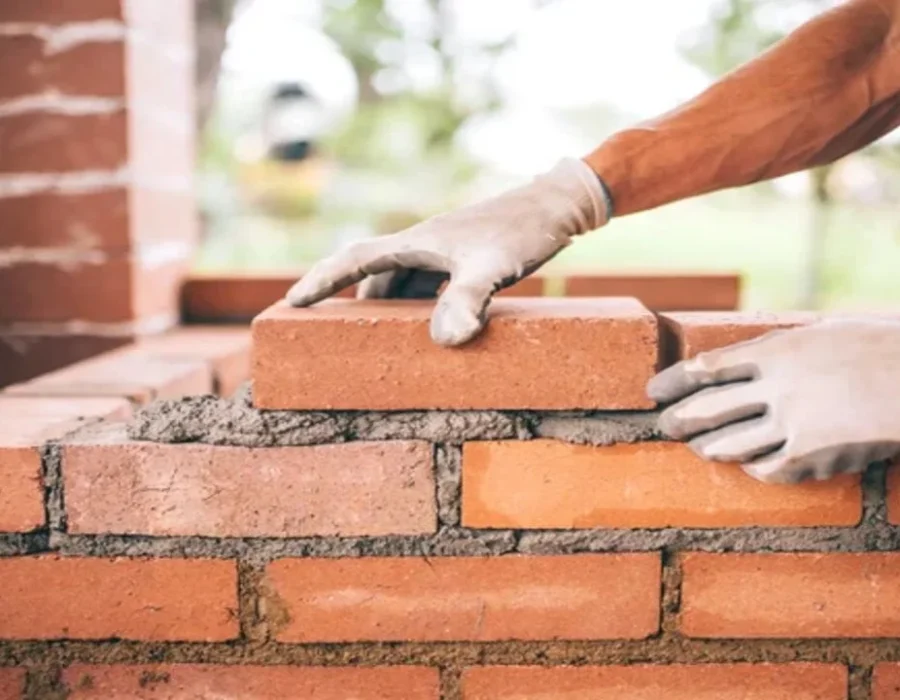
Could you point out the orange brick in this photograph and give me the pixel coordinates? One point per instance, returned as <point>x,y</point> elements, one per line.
<point>12,684</point>
<point>189,682</point>
<point>886,682</point>
<point>663,292</point>
<point>791,595</point>
<point>59,11</point>
<point>687,334</point>
<point>51,597</point>
<point>47,142</point>
<point>605,596</point>
<point>893,494</point>
<point>128,373</point>
<point>25,425</point>
<point>113,485</point>
<point>225,349</point>
<point>644,485</point>
<point>719,681</point>
<point>532,286</point>
<point>535,353</point>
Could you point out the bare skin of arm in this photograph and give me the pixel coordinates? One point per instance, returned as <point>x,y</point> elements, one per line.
<point>830,88</point>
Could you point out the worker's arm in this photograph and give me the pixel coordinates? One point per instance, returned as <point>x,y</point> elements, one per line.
<point>830,88</point>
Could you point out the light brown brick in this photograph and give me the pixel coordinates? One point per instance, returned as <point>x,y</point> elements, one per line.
<point>46,142</point>
<point>680,682</point>
<point>127,373</point>
<point>113,485</point>
<point>886,682</point>
<point>51,597</point>
<point>225,348</point>
<point>58,11</point>
<point>25,425</point>
<point>606,596</point>
<point>532,286</point>
<point>535,353</point>
<point>28,69</point>
<point>644,485</point>
<point>663,292</point>
<point>191,682</point>
<point>791,595</point>
<point>12,684</point>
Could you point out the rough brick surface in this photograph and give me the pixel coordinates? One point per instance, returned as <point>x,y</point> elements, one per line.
<point>12,683</point>
<point>535,353</point>
<point>50,597</point>
<point>791,595</point>
<point>113,485</point>
<point>678,682</point>
<point>663,292</point>
<point>189,682</point>
<point>25,425</point>
<point>58,11</point>
<point>688,334</point>
<point>128,373</point>
<point>480,599</point>
<point>886,682</point>
<point>549,484</point>
<point>893,494</point>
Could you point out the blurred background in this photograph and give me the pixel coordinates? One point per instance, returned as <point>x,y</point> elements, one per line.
<point>324,121</point>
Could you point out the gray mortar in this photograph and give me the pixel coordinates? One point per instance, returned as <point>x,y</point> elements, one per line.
<point>448,466</point>
<point>598,429</point>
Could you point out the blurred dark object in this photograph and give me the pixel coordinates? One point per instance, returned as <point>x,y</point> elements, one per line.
<point>292,120</point>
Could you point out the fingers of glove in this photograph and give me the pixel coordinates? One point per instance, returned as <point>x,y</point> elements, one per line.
<point>727,364</point>
<point>402,284</point>
<point>739,442</point>
<point>786,467</point>
<point>347,267</point>
<point>712,408</point>
<point>461,311</point>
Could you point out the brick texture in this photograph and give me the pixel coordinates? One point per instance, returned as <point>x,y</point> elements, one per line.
<point>893,494</point>
<point>608,596</point>
<point>378,355</point>
<point>50,597</point>
<point>886,682</point>
<point>791,595</point>
<point>116,486</point>
<point>663,292</point>
<point>12,683</point>
<point>25,425</point>
<point>127,373</point>
<point>59,11</point>
<point>24,356</point>
<point>644,485</point>
<point>189,682</point>
<point>713,681</point>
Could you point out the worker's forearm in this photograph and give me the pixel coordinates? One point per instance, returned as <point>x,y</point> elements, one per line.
<point>828,89</point>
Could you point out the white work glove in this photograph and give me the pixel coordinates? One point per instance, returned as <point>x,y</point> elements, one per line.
<point>483,247</point>
<point>795,404</point>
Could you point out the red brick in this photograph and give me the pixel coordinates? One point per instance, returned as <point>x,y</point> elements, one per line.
<point>688,334</point>
<point>25,425</point>
<point>791,595</point>
<point>718,681</point>
<point>24,356</point>
<point>663,292</point>
<point>893,494</point>
<point>225,349</point>
<point>155,289</point>
<point>645,485</point>
<point>117,486</point>
<point>190,682</point>
<point>85,221</point>
<point>58,11</point>
<point>46,142</point>
<point>12,683</point>
<point>886,682</point>
<point>52,597</point>
<point>532,286</point>
<point>127,373</point>
<point>29,70</point>
<point>605,596</point>
<point>535,353</point>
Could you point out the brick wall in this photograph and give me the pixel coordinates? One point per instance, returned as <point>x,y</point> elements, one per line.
<point>97,217</point>
<point>384,533</point>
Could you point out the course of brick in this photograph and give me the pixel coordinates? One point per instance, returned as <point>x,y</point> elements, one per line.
<point>410,522</point>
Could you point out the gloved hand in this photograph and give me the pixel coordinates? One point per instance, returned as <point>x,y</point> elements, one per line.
<point>803,403</point>
<point>484,247</point>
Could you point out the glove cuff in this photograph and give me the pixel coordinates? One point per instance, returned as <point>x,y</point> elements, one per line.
<point>589,192</point>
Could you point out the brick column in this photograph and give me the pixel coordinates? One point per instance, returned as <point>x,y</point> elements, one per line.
<point>97,215</point>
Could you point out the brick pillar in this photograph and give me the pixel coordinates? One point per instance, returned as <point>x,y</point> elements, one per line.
<point>97,214</point>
